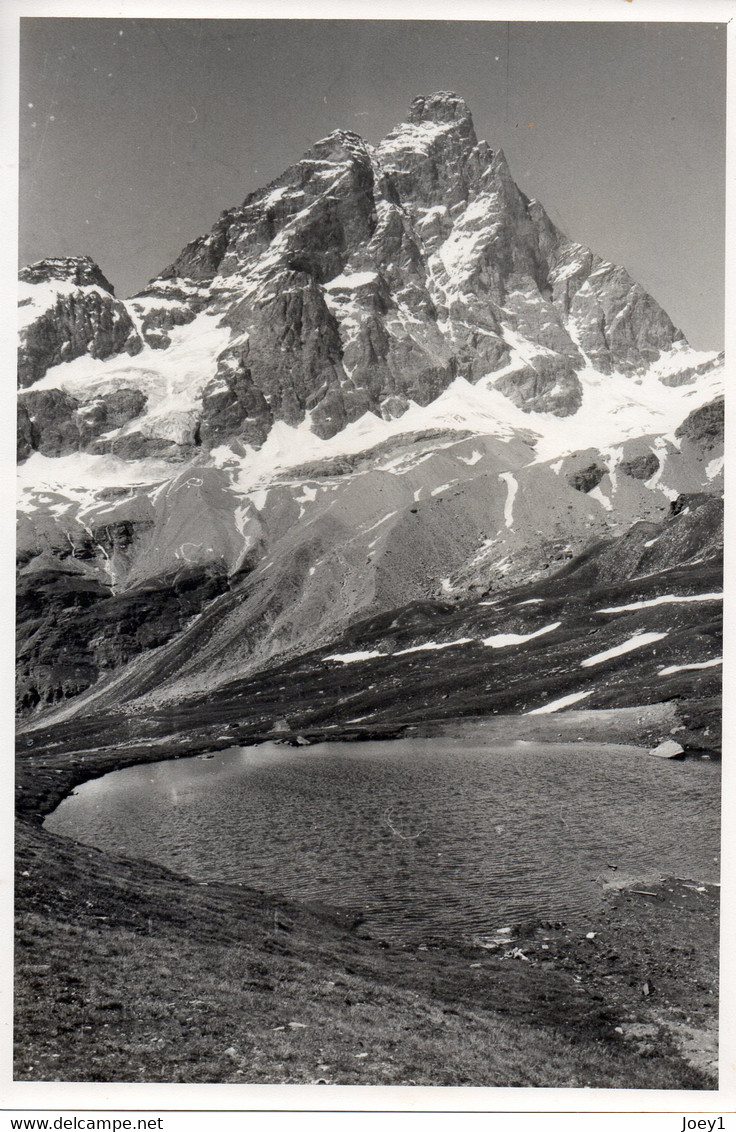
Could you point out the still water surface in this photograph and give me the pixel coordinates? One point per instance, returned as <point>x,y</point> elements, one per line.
<point>425,837</point>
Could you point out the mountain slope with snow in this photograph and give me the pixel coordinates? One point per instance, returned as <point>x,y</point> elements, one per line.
<point>385,377</point>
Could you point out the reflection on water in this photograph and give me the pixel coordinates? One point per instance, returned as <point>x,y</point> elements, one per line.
<point>425,837</point>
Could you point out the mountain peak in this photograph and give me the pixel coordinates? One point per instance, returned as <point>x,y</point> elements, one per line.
<point>81,271</point>
<point>443,106</point>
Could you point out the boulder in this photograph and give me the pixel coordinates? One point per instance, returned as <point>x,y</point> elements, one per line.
<point>667,749</point>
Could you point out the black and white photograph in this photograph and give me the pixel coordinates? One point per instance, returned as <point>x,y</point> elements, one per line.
<point>370,466</point>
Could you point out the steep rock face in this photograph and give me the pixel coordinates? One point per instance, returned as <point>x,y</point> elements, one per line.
<point>53,423</point>
<point>67,309</point>
<point>366,279</point>
<point>158,314</point>
<point>362,280</point>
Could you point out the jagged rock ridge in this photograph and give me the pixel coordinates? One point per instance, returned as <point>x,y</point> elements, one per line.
<point>362,280</point>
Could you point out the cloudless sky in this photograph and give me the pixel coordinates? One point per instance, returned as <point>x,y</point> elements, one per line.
<point>136,134</point>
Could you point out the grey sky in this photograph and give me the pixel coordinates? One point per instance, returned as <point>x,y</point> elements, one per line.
<point>136,134</point>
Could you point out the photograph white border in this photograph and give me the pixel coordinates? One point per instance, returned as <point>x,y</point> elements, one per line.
<point>88,1098</point>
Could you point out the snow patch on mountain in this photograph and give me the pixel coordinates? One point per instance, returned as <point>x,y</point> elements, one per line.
<point>558,705</point>
<point>672,668</point>
<point>664,599</point>
<point>433,646</point>
<point>172,379</point>
<point>512,488</point>
<point>597,494</point>
<point>504,640</point>
<point>714,467</point>
<point>636,642</point>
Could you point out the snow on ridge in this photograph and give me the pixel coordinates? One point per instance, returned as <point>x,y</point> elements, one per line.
<point>79,469</point>
<point>461,407</point>
<point>408,137</point>
<point>681,357</point>
<point>636,642</point>
<point>459,253</point>
<point>353,657</point>
<point>172,379</point>
<point>557,705</point>
<point>664,599</point>
<point>615,407</point>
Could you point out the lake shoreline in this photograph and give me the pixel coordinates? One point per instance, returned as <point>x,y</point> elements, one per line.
<point>46,773</point>
<point>74,904</point>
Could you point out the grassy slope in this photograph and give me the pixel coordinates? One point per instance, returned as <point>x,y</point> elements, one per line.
<point>128,972</point>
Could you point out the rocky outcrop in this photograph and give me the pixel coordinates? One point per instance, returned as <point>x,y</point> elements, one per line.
<point>550,386</point>
<point>691,534</point>
<point>48,422</point>
<point>232,406</point>
<point>164,305</point>
<point>587,478</point>
<point>54,423</point>
<point>291,352</point>
<point>68,308</point>
<point>704,426</point>
<point>616,323</point>
<point>641,467</point>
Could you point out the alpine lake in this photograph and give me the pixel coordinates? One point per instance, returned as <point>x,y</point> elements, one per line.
<point>422,838</point>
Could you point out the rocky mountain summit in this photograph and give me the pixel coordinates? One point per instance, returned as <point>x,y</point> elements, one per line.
<point>363,279</point>
<point>386,377</point>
